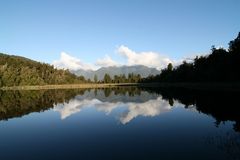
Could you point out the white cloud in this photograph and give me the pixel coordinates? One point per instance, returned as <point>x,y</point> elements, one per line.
<point>68,62</point>
<point>150,59</point>
<point>106,62</point>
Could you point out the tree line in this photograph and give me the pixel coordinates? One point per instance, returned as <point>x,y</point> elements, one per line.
<point>221,65</point>
<point>122,78</point>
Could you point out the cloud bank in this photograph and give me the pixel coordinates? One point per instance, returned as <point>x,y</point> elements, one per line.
<point>150,59</point>
<point>106,62</point>
<point>72,63</point>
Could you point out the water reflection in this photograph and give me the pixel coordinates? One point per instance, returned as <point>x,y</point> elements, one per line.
<point>150,108</point>
<point>206,123</point>
<point>19,103</point>
<point>135,101</point>
<point>228,143</point>
<point>223,106</point>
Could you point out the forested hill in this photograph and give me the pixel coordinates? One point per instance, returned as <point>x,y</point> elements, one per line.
<point>17,71</point>
<point>222,65</point>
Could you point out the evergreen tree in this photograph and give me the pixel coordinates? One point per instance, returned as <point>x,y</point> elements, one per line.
<point>95,78</point>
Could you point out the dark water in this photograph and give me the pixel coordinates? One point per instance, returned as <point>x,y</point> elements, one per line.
<point>120,123</point>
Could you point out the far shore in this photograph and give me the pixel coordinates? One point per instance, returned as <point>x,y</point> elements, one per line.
<point>68,86</point>
<point>193,86</point>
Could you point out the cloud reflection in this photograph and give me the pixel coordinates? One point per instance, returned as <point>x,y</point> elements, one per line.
<point>150,108</point>
<point>131,110</point>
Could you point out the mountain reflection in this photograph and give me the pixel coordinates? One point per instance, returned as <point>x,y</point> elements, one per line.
<point>150,108</point>
<point>19,103</point>
<point>130,102</point>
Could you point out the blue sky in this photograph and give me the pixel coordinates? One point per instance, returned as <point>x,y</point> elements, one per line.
<point>91,29</point>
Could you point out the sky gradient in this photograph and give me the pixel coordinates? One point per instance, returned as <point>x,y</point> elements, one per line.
<point>94,31</point>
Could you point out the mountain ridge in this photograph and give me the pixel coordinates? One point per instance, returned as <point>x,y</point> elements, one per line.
<point>142,70</point>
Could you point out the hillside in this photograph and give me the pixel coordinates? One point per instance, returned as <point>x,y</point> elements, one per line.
<point>143,71</point>
<point>16,70</point>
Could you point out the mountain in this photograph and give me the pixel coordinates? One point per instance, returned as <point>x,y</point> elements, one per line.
<point>144,71</point>
<point>19,71</point>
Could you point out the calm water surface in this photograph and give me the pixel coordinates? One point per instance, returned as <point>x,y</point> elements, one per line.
<point>119,123</point>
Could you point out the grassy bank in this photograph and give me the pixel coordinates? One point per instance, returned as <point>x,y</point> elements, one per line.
<point>193,86</point>
<point>68,86</point>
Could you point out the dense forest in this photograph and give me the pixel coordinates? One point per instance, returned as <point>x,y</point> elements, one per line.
<point>122,78</point>
<point>17,71</point>
<point>220,65</point>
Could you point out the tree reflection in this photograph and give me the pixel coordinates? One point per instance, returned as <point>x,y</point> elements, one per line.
<point>223,106</point>
<point>18,103</point>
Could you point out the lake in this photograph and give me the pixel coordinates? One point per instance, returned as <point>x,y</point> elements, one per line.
<point>119,123</point>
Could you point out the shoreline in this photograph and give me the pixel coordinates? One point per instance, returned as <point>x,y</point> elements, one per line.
<point>192,86</point>
<point>68,86</point>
